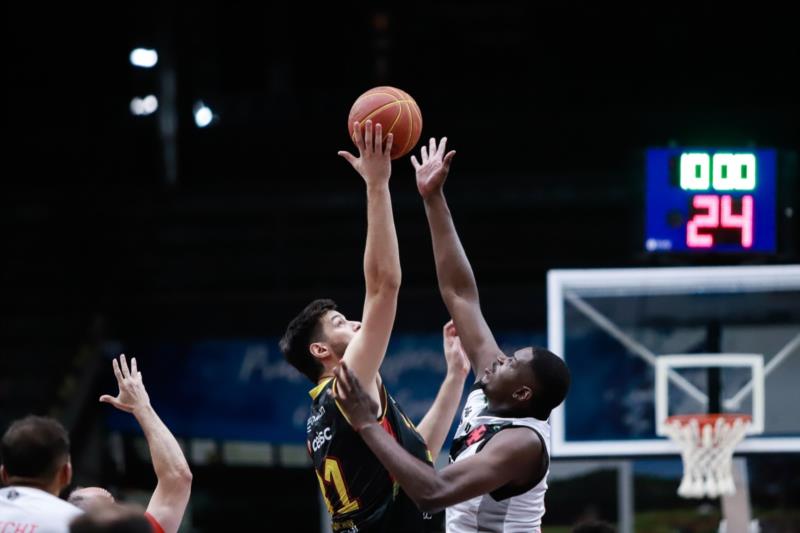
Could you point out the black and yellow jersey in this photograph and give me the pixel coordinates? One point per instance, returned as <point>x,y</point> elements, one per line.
<point>360,494</point>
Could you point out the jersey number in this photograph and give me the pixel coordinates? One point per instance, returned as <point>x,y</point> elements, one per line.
<point>332,474</point>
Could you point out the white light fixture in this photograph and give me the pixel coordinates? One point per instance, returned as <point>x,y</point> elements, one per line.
<point>144,106</point>
<point>203,116</point>
<point>144,57</point>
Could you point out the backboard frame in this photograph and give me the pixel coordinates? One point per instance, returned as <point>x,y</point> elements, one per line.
<point>563,288</point>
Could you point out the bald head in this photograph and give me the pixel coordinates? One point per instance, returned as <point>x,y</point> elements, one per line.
<point>112,519</point>
<point>89,497</point>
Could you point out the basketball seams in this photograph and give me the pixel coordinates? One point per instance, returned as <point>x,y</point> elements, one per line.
<point>405,104</point>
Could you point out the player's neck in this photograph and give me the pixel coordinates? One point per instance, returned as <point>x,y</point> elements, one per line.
<point>503,411</point>
<point>31,483</point>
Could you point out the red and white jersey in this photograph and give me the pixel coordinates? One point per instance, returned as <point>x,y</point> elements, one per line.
<point>29,510</point>
<point>506,510</point>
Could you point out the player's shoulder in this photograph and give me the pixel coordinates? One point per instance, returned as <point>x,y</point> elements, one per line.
<point>516,441</point>
<point>37,501</point>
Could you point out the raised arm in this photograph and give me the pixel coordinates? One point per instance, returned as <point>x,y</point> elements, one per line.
<point>382,275</point>
<point>512,456</point>
<point>456,279</point>
<point>437,421</point>
<point>174,486</point>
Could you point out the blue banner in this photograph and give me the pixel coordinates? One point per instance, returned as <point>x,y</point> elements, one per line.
<point>245,390</point>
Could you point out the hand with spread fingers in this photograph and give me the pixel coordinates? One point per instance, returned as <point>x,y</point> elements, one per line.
<point>357,405</point>
<point>374,163</point>
<point>432,171</point>
<point>132,395</point>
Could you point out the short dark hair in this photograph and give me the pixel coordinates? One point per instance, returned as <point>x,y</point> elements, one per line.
<point>552,382</point>
<point>304,329</point>
<point>34,447</point>
<point>112,518</point>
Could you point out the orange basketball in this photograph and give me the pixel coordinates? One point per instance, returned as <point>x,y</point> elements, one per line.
<point>395,111</point>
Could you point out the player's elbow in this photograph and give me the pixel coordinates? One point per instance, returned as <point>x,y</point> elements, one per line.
<point>384,281</point>
<point>456,296</point>
<point>432,498</point>
<point>430,504</point>
<point>179,478</point>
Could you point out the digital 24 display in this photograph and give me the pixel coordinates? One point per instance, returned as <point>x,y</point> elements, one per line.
<point>710,200</point>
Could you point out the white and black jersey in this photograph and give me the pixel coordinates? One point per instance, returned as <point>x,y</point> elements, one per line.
<point>507,509</point>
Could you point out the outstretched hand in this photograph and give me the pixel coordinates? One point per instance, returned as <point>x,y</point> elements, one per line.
<point>357,405</point>
<point>132,394</point>
<point>454,354</point>
<point>432,172</point>
<point>374,163</point>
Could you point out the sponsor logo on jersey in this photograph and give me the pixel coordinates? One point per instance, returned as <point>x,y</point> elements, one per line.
<point>314,418</point>
<point>319,440</point>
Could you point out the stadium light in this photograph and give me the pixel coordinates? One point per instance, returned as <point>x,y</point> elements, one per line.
<point>203,116</point>
<point>144,106</point>
<point>144,57</point>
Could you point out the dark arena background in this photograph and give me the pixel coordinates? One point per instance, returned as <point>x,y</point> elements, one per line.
<point>183,212</point>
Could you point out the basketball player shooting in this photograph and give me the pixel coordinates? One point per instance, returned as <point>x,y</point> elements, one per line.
<point>497,478</point>
<point>358,491</point>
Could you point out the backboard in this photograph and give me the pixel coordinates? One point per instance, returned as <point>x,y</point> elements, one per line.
<point>612,326</point>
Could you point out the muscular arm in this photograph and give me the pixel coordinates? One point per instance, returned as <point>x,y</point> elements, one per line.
<point>382,272</point>
<point>437,421</point>
<point>512,456</point>
<point>174,486</point>
<point>456,280</point>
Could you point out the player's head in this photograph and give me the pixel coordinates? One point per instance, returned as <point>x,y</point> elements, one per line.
<point>316,339</point>
<point>112,519</point>
<point>532,382</point>
<point>34,452</point>
<point>88,497</point>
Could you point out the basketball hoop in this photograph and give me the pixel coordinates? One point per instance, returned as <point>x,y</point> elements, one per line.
<point>707,442</point>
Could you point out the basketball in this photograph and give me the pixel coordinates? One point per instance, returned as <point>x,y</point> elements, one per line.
<point>395,111</point>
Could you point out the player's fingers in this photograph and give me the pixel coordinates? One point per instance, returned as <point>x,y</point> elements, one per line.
<point>113,401</point>
<point>123,363</point>
<point>358,136</point>
<point>368,137</point>
<point>414,162</point>
<point>387,149</point>
<point>448,159</point>
<point>134,370</point>
<point>424,155</point>
<point>378,138</point>
<point>341,379</point>
<point>442,146</point>
<point>350,158</point>
<point>432,147</point>
<point>117,371</point>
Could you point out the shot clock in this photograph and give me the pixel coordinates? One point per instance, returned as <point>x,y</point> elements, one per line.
<point>710,200</point>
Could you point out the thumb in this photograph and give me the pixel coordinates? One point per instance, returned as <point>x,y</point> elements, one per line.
<point>105,398</point>
<point>348,156</point>
<point>448,159</point>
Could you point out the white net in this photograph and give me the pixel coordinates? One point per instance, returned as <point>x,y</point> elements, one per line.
<point>707,443</point>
